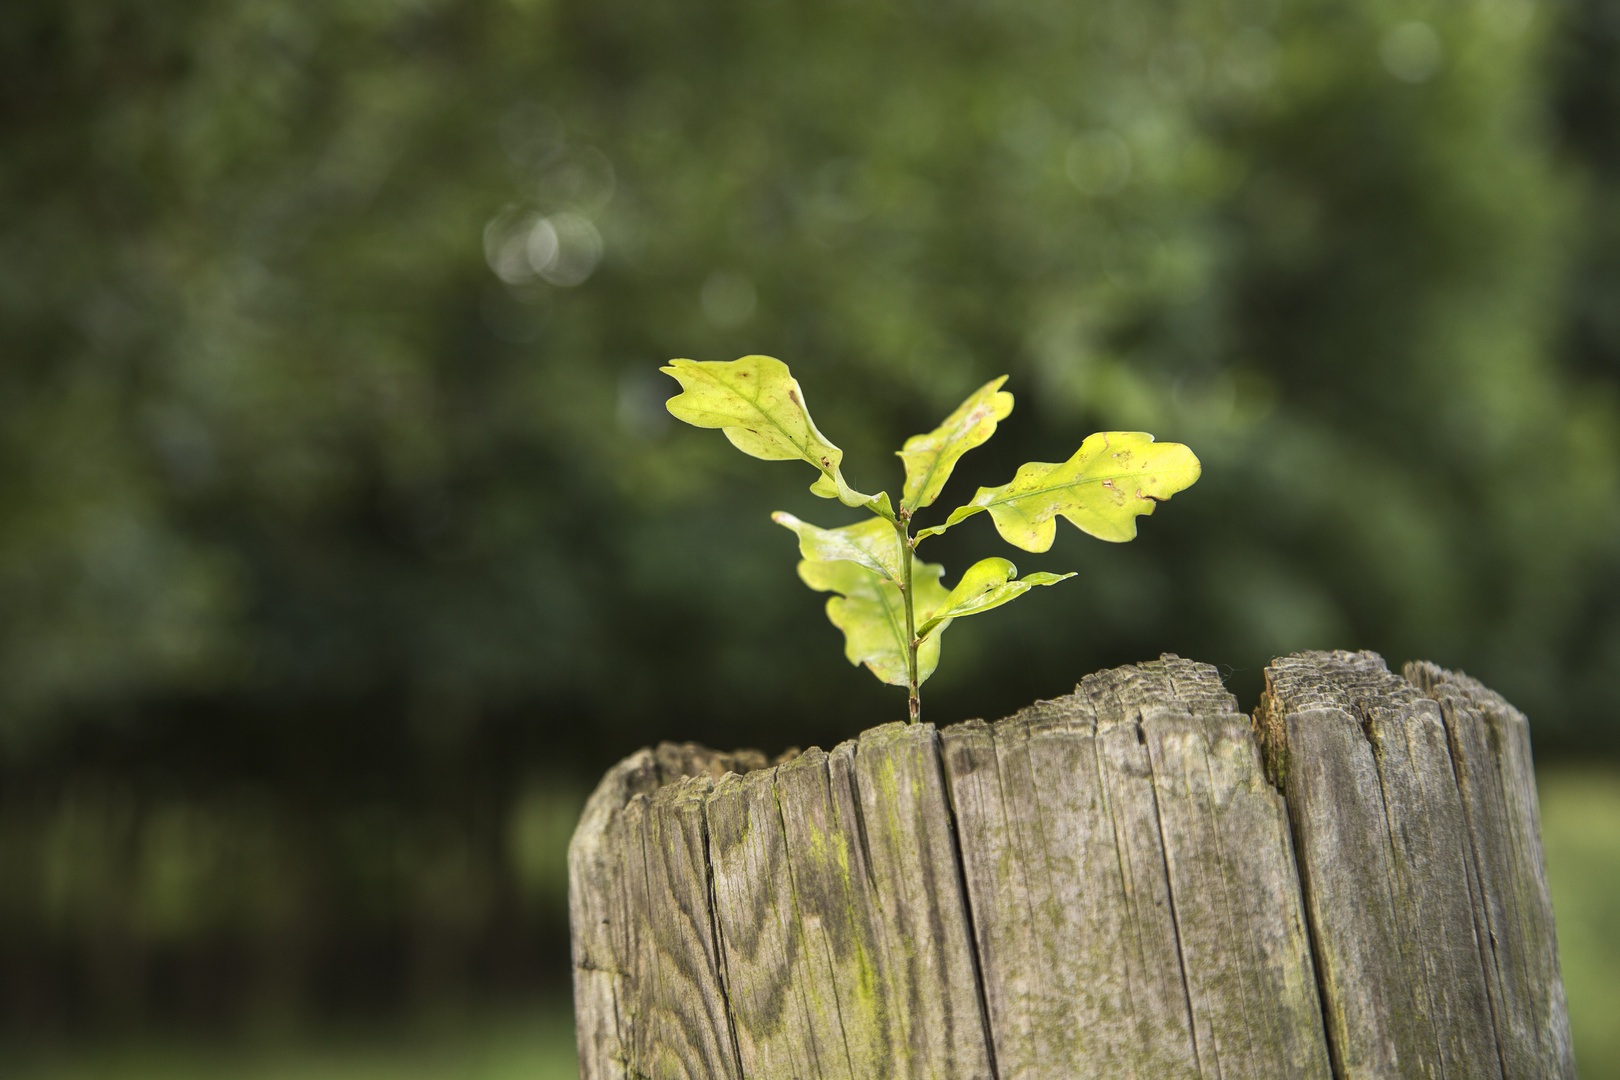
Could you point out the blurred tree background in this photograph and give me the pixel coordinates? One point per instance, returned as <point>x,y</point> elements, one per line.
<point>344,540</point>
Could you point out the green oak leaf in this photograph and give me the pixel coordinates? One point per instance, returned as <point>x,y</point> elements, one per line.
<point>872,543</point>
<point>758,405</point>
<point>930,458</point>
<point>872,614</point>
<point>988,583</point>
<point>1110,481</point>
<point>1114,477</point>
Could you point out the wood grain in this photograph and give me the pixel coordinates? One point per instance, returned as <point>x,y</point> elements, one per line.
<point>1133,885</point>
<point>916,911</point>
<point>832,884</point>
<point>598,913</point>
<point>680,1023</point>
<point>1076,936</point>
<point>781,966</point>
<point>1110,884</point>
<point>1489,741</point>
<point>1240,918</point>
<point>1393,873</point>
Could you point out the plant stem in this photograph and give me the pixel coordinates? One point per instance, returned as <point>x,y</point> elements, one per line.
<point>902,526</point>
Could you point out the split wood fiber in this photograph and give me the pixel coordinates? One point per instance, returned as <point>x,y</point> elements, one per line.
<point>1130,881</point>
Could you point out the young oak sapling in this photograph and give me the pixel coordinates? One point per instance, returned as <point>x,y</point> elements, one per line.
<point>892,608</point>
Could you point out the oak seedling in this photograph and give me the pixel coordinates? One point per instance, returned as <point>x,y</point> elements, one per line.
<point>892,608</point>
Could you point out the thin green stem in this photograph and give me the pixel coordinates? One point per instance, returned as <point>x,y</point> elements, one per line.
<point>902,527</point>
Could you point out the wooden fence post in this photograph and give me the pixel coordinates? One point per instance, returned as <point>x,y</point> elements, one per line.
<point>1134,880</point>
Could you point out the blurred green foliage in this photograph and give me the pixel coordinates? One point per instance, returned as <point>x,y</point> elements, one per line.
<point>535,1044</point>
<point>1580,828</point>
<point>340,512</point>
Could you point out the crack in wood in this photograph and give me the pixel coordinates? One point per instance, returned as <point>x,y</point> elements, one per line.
<point>967,906</point>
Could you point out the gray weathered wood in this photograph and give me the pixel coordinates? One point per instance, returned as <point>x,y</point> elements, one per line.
<point>680,1023</point>
<point>624,908</point>
<point>784,987</point>
<point>890,789</point>
<point>1133,886</point>
<point>599,915</point>
<point>831,881</point>
<point>1489,741</point>
<point>1392,873</point>
<point>1377,821</point>
<point>841,940</point>
<point>1240,920</point>
<point>1106,885</point>
<point>1076,935</point>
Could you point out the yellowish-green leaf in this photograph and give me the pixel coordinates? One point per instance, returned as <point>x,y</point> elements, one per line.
<point>756,402</point>
<point>873,544</point>
<point>930,458</point>
<point>872,614</point>
<point>988,583</point>
<point>1114,477</point>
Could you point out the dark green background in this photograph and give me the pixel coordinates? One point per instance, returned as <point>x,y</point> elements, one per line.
<point>340,551</point>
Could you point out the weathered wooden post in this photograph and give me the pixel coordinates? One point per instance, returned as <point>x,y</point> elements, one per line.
<point>1131,881</point>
